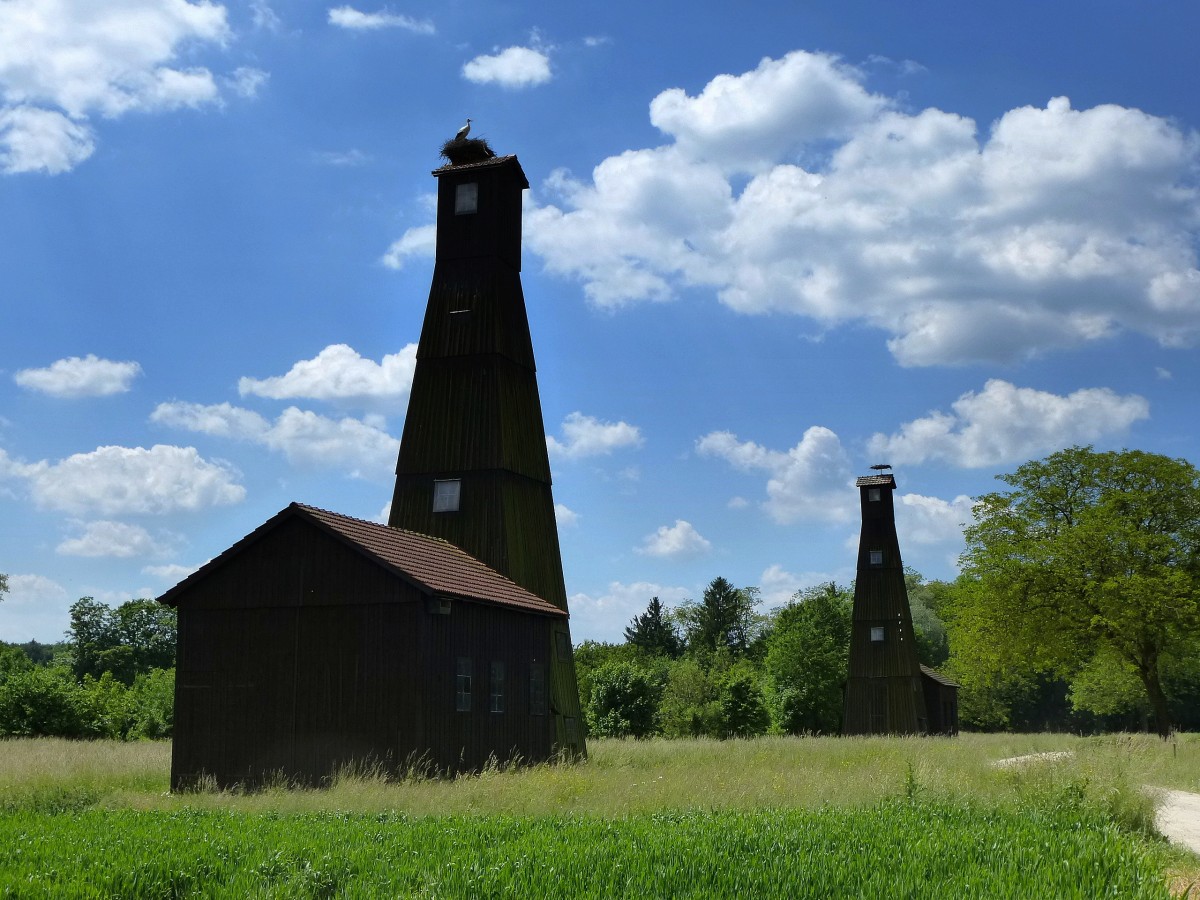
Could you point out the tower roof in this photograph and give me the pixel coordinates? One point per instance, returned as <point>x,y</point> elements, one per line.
<point>875,481</point>
<point>492,163</point>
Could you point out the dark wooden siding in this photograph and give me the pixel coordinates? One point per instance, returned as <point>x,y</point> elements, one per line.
<point>884,694</point>
<point>299,656</point>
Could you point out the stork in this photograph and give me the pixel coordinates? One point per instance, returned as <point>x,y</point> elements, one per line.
<point>464,131</point>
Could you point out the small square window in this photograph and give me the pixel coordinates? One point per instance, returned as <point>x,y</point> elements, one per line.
<point>462,684</point>
<point>497,687</point>
<point>466,198</point>
<point>873,494</point>
<point>876,557</point>
<point>446,494</point>
<point>876,633</point>
<point>537,689</point>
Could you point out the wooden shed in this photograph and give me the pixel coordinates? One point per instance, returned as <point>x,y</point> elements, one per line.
<point>320,640</point>
<point>888,691</point>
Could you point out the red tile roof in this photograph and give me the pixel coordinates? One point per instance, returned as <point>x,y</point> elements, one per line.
<point>432,564</point>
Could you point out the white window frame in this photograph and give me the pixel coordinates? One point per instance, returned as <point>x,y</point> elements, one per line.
<point>447,494</point>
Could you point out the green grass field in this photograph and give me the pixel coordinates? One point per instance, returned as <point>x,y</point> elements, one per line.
<point>796,817</point>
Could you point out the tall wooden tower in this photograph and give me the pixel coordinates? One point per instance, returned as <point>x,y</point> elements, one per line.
<point>884,691</point>
<point>473,467</point>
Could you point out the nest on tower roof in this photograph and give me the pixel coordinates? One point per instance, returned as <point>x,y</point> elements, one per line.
<point>467,150</point>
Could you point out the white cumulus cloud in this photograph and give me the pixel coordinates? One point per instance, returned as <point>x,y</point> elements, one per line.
<point>1003,423</point>
<point>565,517</point>
<point>339,373</point>
<point>75,376</point>
<point>106,538</point>
<point>675,541</point>
<point>793,189</point>
<point>588,436</point>
<point>513,67</point>
<point>356,20</point>
<point>113,481</point>
<point>63,61</point>
<point>809,482</point>
<point>361,449</point>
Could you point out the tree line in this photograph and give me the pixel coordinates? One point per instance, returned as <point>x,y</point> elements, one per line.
<point>1077,609</point>
<point>112,677</point>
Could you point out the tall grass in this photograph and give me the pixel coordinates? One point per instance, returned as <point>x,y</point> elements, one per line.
<point>626,777</point>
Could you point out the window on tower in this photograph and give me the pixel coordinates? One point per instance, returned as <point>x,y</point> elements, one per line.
<point>873,495</point>
<point>876,633</point>
<point>876,557</point>
<point>466,198</point>
<point>446,494</point>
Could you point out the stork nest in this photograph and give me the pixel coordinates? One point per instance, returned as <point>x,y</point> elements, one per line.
<point>467,150</point>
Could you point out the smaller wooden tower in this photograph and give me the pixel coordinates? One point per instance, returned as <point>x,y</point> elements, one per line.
<point>884,691</point>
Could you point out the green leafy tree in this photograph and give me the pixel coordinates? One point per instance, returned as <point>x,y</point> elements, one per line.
<point>135,637</point>
<point>1088,552</point>
<point>624,701</point>
<point>808,654</point>
<point>3,585</point>
<point>743,709</point>
<point>723,619</point>
<point>691,700</point>
<point>654,632</point>
<point>924,600</point>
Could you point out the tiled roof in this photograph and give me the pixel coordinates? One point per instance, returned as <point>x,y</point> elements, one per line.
<point>873,480</point>
<point>434,565</point>
<point>437,564</point>
<point>938,677</point>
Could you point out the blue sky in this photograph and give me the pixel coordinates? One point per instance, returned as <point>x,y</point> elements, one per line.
<point>763,250</point>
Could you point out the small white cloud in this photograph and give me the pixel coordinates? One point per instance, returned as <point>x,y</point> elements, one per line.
<point>1163,374</point>
<point>42,140</point>
<point>675,541</point>
<point>351,158</point>
<point>808,482</point>
<point>596,40</point>
<point>603,617</point>
<point>1003,423</point>
<point>111,539</point>
<point>384,514</point>
<point>172,573</point>
<point>351,18</point>
<point>738,503</point>
<point>35,608</point>
<point>359,448</point>
<point>932,520</point>
<point>566,518</point>
<point>112,481</point>
<point>339,373</point>
<point>588,436</point>
<point>73,377</point>
<point>265,18</point>
<point>416,242</point>
<point>514,67</point>
<point>247,82</point>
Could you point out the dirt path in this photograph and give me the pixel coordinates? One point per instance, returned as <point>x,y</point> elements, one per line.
<point>1179,818</point>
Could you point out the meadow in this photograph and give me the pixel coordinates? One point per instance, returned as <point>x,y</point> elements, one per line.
<point>774,816</point>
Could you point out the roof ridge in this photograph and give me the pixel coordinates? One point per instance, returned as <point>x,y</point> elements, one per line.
<point>430,537</point>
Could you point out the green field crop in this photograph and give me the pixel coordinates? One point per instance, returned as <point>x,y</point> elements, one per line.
<point>895,849</point>
<point>797,817</point>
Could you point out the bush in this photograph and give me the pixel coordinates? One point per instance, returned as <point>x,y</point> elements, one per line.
<point>624,701</point>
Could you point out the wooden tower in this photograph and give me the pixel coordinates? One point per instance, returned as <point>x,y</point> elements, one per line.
<point>884,690</point>
<point>473,467</point>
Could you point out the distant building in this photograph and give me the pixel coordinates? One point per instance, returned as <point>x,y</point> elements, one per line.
<point>888,691</point>
<point>320,641</point>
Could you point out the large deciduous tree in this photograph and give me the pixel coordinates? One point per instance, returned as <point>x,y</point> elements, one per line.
<point>1089,553</point>
<point>135,637</point>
